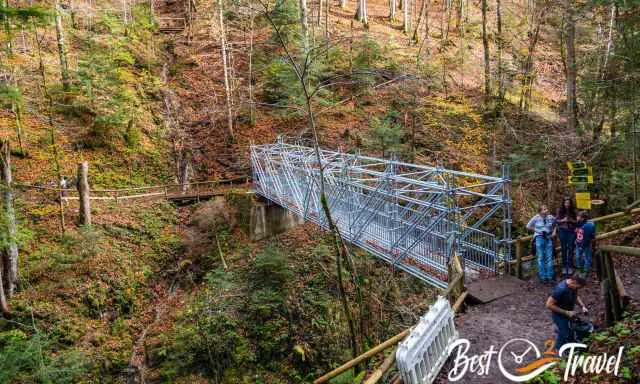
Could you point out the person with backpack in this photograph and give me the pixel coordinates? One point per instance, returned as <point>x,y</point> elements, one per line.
<point>585,239</point>
<point>566,222</point>
<point>543,226</point>
<point>561,304</point>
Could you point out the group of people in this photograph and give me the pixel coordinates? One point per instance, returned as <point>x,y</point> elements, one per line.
<point>576,234</point>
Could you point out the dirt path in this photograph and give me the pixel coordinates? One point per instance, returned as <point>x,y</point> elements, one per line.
<point>520,315</point>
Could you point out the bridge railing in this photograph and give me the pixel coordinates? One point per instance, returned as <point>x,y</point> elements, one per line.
<point>409,215</point>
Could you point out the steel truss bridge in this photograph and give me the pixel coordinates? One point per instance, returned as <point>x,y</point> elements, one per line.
<point>411,216</point>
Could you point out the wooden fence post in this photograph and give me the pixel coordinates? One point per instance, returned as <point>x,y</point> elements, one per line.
<point>519,254</point>
<point>608,312</point>
<point>597,263</point>
<point>614,295</point>
<point>83,191</point>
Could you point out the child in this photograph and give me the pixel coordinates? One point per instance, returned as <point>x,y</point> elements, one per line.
<point>585,237</point>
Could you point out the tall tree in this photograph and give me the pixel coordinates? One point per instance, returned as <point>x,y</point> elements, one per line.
<point>361,12</point>
<point>485,45</point>
<point>535,22</point>
<point>424,14</point>
<point>10,251</point>
<point>500,47</point>
<point>7,29</point>
<point>406,9</point>
<point>572,110</point>
<point>62,50</point>
<point>225,68</point>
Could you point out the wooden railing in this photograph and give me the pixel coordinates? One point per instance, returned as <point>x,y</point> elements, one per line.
<point>166,191</point>
<point>456,293</point>
<point>520,244</point>
<point>613,292</point>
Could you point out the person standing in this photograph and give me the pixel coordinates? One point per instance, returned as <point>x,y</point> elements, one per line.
<point>585,238</point>
<point>566,222</point>
<point>543,226</point>
<point>561,304</point>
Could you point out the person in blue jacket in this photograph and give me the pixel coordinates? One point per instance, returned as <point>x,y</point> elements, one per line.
<point>585,238</point>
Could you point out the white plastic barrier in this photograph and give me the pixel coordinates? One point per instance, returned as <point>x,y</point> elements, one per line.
<point>421,356</point>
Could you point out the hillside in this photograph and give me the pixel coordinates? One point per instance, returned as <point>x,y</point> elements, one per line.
<point>170,92</point>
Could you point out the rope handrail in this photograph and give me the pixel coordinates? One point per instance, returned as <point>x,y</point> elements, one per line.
<point>210,182</point>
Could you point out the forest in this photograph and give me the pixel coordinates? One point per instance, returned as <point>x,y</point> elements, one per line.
<point>136,246</point>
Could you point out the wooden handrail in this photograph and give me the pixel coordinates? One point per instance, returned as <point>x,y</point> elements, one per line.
<point>595,220</point>
<point>351,363</point>
<point>606,235</point>
<point>381,347</point>
<point>630,251</point>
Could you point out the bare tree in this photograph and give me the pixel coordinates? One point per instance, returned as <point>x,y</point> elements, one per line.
<point>361,12</point>
<point>7,29</point>
<point>62,54</point>
<point>342,254</point>
<point>535,22</point>
<point>424,14</point>
<point>485,45</point>
<point>227,86</point>
<point>500,47</point>
<point>572,110</point>
<point>406,9</point>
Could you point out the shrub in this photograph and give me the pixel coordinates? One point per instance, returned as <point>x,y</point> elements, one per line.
<point>37,358</point>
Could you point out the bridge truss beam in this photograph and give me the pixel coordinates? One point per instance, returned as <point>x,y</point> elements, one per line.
<point>411,216</point>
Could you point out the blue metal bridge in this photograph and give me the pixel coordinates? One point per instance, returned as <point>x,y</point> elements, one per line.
<point>412,216</point>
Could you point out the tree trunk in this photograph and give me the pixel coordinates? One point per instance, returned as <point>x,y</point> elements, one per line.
<point>252,117</point>
<point>83,192</point>
<point>423,11</point>
<point>64,67</point>
<point>304,18</point>
<point>393,7</point>
<point>361,12</point>
<point>527,68</point>
<point>485,45</point>
<point>4,306</point>
<point>7,30</point>
<point>10,251</point>
<point>227,86</point>
<point>501,85</point>
<point>572,117</point>
<point>406,9</point>
<point>603,71</point>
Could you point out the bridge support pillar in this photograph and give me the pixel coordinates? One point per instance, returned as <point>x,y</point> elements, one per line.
<point>269,219</point>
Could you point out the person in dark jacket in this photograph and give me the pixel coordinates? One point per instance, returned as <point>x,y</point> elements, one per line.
<point>561,303</point>
<point>566,221</point>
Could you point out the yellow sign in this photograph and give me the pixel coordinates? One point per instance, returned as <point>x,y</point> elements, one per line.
<point>583,200</point>
<point>576,165</point>
<point>580,179</point>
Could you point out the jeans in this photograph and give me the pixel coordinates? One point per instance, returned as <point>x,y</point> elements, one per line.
<point>567,243</point>
<point>544,253</point>
<point>583,258</point>
<point>564,331</point>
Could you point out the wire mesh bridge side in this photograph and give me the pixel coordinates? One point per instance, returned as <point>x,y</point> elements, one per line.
<point>411,216</point>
